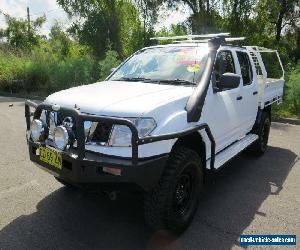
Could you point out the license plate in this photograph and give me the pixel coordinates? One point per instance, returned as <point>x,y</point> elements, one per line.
<point>51,157</point>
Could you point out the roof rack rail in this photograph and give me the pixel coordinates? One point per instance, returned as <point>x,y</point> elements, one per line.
<point>261,49</point>
<point>227,39</point>
<point>190,37</point>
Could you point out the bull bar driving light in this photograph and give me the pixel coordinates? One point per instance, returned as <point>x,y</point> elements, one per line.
<point>61,137</point>
<point>37,130</point>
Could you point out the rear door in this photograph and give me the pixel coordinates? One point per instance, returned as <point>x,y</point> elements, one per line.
<point>249,103</point>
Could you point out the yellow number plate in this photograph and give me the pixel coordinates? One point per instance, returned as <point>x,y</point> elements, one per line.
<point>51,157</point>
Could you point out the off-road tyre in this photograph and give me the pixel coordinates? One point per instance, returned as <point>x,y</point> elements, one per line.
<point>259,147</point>
<point>171,205</point>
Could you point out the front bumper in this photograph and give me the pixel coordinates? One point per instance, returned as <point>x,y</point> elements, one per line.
<point>87,167</point>
<point>89,170</point>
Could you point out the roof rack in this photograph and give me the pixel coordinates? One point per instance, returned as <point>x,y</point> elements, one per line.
<point>261,49</point>
<point>204,38</point>
<point>227,39</point>
<point>190,37</point>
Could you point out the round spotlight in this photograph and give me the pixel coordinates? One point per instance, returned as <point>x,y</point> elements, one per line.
<point>37,130</point>
<point>61,137</point>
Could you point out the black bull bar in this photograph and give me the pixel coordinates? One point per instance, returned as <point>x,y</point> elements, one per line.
<point>80,118</point>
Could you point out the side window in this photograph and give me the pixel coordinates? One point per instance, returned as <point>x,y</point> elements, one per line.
<point>246,68</point>
<point>224,64</point>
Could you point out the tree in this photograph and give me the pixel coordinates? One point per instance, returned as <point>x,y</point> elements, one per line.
<point>59,40</point>
<point>237,15</point>
<point>110,61</point>
<point>149,12</point>
<point>101,23</point>
<point>202,14</point>
<point>282,14</point>
<point>21,34</point>
<point>131,29</point>
<point>174,30</point>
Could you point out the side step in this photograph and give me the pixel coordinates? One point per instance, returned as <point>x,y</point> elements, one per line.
<point>231,151</point>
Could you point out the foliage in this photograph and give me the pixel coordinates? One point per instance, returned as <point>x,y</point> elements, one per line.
<point>291,101</point>
<point>131,30</point>
<point>45,69</point>
<point>12,69</point>
<point>108,63</point>
<point>21,34</point>
<point>280,14</point>
<point>174,30</point>
<point>148,10</point>
<point>59,40</point>
<point>104,32</point>
<point>106,23</point>
<point>293,91</point>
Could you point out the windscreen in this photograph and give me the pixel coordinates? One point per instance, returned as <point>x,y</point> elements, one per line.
<point>165,64</point>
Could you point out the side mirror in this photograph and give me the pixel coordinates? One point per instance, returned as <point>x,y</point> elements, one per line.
<point>228,81</point>
<point>112,70</point>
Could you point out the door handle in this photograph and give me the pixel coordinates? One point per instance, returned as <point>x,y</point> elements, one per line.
<point>255,93</point>
<point>239,98</point>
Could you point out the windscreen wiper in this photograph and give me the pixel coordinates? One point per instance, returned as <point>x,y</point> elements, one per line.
<point>133,79</point>
<point>178,82</point>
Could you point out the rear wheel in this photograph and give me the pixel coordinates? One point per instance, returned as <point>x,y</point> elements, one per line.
<point>259,147</point>
<point>173,203</point>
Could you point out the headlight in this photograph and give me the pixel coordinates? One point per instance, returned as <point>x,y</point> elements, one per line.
<point>121,134</point>
<point>61,137</point>
<point>37,130</point>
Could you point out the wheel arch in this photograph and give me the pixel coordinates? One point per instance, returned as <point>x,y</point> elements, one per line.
<point>193,141</point>
<point>259,116</point>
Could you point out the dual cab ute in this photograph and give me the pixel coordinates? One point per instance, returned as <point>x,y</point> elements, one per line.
<point>161,120</point>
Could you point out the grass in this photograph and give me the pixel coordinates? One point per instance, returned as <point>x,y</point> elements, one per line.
<point>43,71</point>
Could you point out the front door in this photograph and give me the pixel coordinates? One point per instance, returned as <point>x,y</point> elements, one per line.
<point>221,111</point>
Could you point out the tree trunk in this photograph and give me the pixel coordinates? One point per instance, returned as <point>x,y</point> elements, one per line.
<point>283,9</point>
<point>234,27</point>
<point>297,54</point>
<point>208,16</point>
<point>279,26</point>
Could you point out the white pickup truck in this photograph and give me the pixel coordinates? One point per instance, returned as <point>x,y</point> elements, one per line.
<point>161,120</point>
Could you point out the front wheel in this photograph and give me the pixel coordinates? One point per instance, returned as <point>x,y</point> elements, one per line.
<point>173,203</point>
<point>259,147</point>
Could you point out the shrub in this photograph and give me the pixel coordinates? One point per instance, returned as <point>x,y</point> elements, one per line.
<point>44,70</point>
<point>12,71</point>
<point>291,102</point>
<point>293,90</point>
<point>110,61</point>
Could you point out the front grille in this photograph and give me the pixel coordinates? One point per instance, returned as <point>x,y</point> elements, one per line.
<point>101,133</point>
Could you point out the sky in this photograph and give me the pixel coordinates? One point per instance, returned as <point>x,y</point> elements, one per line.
<point>17,8</point>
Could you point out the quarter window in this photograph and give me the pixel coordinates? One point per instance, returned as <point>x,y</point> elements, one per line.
<point>246,69</point>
